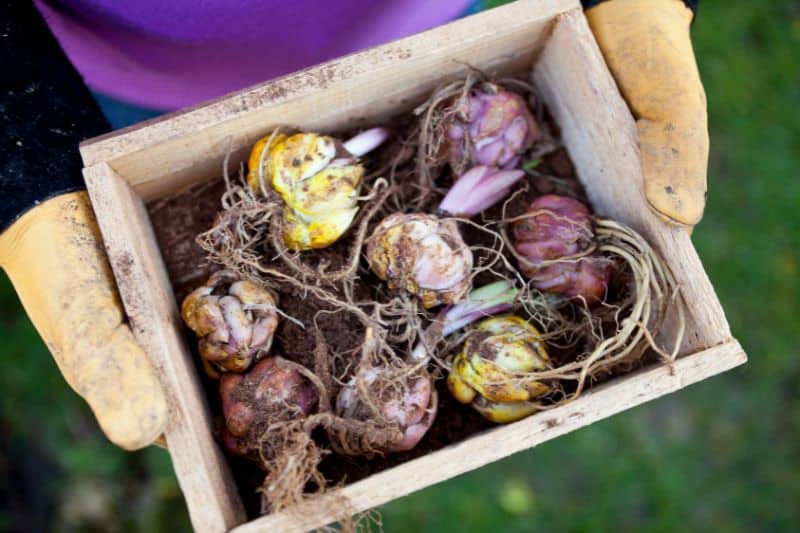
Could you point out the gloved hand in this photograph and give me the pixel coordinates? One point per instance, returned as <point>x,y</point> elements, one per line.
<point>54,257</point>
<point>50,245</point>
<point>647,47</point>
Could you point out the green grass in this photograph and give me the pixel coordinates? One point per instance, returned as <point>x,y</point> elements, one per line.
<point>720,456</point>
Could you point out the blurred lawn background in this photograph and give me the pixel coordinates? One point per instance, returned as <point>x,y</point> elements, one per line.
<point>723,455</point>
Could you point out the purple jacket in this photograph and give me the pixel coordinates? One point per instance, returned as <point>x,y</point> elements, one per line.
<point>166,54</point>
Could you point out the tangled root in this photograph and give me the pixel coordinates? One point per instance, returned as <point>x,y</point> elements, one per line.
<point>288,452</point>
<point>290,457</point>
<point>616,335</point>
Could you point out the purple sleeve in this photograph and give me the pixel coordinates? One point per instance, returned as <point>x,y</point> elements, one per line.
<point>172,54</point>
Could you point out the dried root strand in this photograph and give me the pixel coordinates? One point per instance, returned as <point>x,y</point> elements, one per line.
<point>235,239</point>
<point>290,457</point>
<point>652,294</point>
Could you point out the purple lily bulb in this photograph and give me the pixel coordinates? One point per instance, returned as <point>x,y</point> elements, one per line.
<point>272,391</point>
<point>496,128</point>
<point>556,229</point>
<point>478,190</point>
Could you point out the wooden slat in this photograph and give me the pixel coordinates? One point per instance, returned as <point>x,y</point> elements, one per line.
<point>170,153</point>
<point>601,137</point>
<point>146,293</point>
<point>597,404</point>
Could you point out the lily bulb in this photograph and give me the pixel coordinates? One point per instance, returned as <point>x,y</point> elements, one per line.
<point>494,130</point>
<point>412,408</point>
<point>319,179</point>
<point>235,320</point>
<point>422,254</point>
<point>273,391</point>
<point>484,374</point>
<point>554,230</point>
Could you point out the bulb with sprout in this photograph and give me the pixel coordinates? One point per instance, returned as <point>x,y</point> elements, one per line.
<point>485,373</point>
<point>319,179</point>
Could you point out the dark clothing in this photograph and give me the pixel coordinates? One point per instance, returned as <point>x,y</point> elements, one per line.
<point>46,110</point>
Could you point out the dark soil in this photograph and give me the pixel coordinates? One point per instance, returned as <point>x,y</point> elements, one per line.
<point>177,221</point>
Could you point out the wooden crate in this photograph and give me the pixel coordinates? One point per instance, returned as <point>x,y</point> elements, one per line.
<point>549,38</point>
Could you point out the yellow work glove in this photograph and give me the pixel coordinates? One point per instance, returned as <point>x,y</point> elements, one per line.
<point>54,256</point>
<point>647,47</point>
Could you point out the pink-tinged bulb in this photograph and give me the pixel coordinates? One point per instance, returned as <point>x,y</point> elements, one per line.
<point>478,189</point>
<point>272,391</point>
<point>423,255</point>
<point>412,408</point>
<point>553,230</point>
<point>234,319</point>
<point>495,130</point>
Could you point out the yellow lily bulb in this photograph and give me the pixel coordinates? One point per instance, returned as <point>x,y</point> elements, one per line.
<point>234,320</point>
<point>504,412</point>
<point>318,178</point>
<point>486,372</point>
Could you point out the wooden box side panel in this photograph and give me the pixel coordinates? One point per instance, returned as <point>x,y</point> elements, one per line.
<point>601,138</point>
<point>146,293</point>
<point>171,153</point>
<point>502,441</point>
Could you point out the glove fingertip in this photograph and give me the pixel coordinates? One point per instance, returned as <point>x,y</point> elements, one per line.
<point>138,423</point>
<point>674,205</point>
<point>124,391</point>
